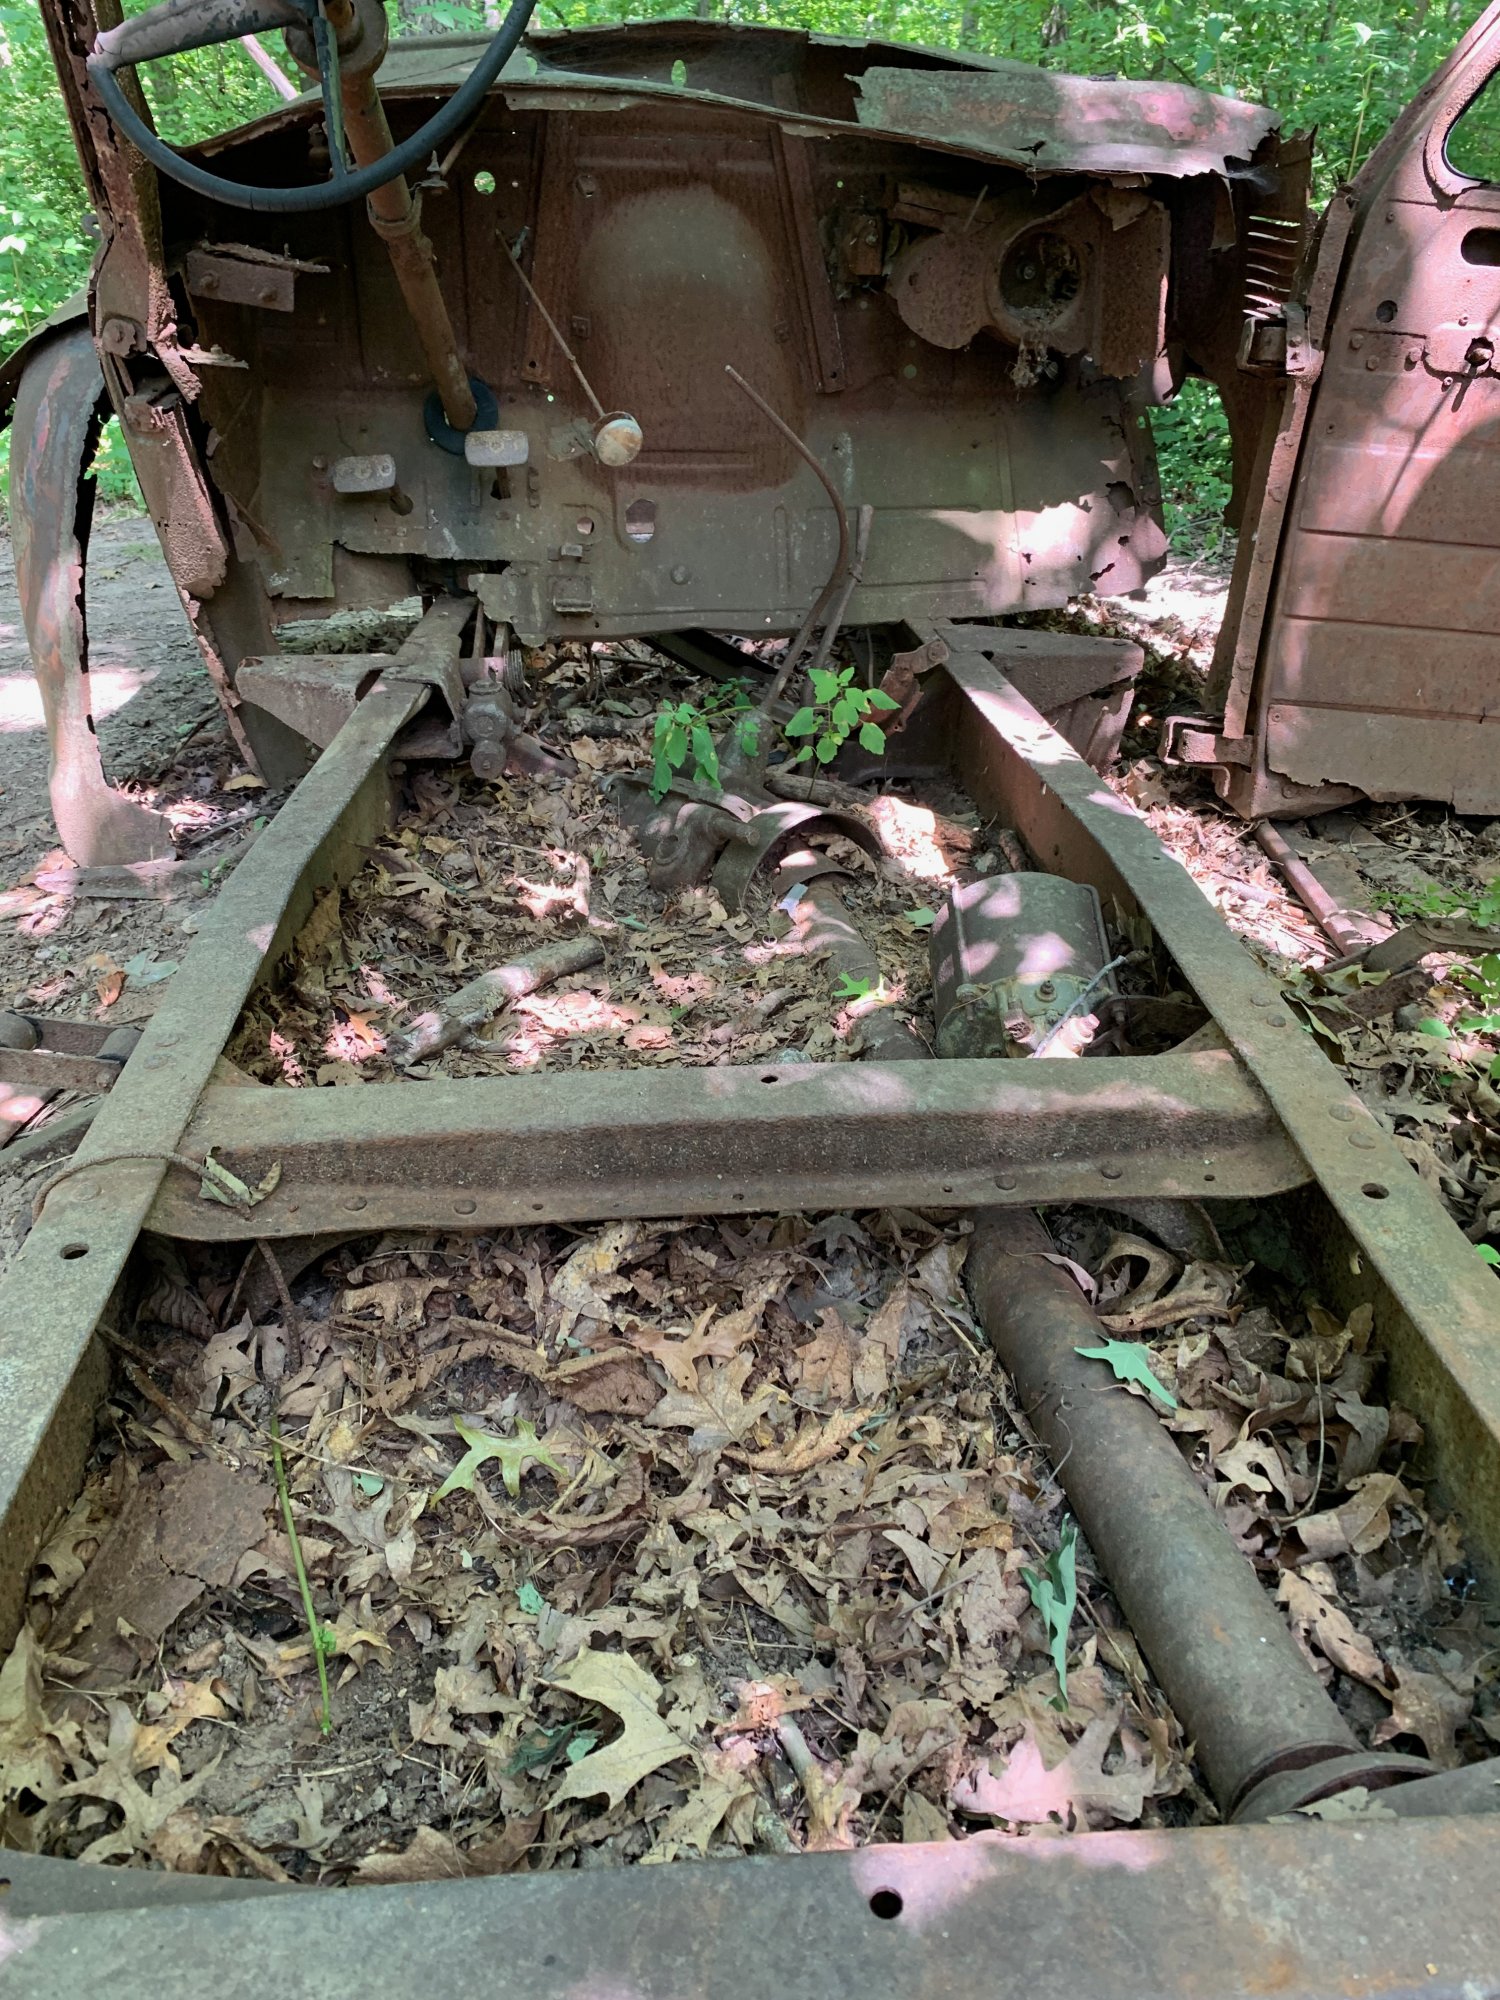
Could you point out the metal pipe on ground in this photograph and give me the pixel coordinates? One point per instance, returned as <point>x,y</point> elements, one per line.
<point>1425,1794</point>
<point>1345,931</point>
<point>1227,1661</point>
<point>826,927</point>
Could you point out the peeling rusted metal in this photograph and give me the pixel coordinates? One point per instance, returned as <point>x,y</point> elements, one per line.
<point>1345,1911</point>
<point>1357,657</point>
<point>51,500</point>
<point>1044,121</point>
<point>1015,960</point>
<point>985,497</point>
<point>489,1152</point>
<point>933,273</point>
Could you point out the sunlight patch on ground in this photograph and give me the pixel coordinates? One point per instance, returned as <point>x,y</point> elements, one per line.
<point>21,698</point>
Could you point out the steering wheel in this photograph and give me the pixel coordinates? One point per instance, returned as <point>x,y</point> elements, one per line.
<point>179,25</point>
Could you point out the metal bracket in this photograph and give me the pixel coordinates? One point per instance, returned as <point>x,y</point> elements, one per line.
<point>1185,740</point>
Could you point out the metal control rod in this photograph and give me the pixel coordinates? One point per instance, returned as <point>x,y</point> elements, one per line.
<point>396,219</point>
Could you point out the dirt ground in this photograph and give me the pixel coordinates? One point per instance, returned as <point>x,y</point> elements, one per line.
<point>640,1541</point>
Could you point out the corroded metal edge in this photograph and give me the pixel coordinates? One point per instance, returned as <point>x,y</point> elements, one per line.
<point>1339,1911</point>
<point>484,1152</point>
<point>64,1274</point>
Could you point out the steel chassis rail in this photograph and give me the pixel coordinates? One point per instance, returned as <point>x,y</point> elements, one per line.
<point>1300,1910</point>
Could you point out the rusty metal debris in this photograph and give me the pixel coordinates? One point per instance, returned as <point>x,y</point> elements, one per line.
<point>1222,1651</point>
<point>477,1154</point>
<point>56,424</point>
<point>1016,960</point>
<point>1344,930</point>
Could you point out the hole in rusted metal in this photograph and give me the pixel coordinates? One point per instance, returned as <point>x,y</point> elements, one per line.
<point>72,1251</point>
<point>886,1903</point>
<point>640,520</point>
<point>1481,246</point>
<point>484,182</point>
<point>1375,1190</point>
<point>770,1076</point>
<point>1385,312</point>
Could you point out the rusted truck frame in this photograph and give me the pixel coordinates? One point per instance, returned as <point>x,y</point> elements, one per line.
<point>1258,1109</point>
<point>1249,1110</point>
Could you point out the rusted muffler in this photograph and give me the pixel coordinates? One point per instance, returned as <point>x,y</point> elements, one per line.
<point>1248,1700</point>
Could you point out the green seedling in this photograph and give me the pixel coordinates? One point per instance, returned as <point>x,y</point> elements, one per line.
<point>682,738</point>
<point>836,710</point>
<point>1054,1592</point>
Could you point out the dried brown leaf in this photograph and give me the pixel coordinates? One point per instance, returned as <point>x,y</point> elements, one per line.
<point>814,1444</point>
<point>1331,1630</point>
<point>645,1743</point>
<point>1429,1707</point>
<point>1024,1792</point>
<point>717,1412</point>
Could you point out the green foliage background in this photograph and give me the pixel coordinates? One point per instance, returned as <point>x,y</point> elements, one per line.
<point>1344,66</point>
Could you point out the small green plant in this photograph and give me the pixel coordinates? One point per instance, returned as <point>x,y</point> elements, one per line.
<point>324,1639</point>
<point>1481,911</point>
<point>837,708</point>
<point>1054,1592</point>
<point>684,731</point>
<point>1478,978</point>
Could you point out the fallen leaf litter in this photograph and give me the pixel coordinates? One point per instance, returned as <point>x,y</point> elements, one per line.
<point>660,1540</point>
<point>475,875</point>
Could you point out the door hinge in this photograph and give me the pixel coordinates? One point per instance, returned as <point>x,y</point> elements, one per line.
<point>1280,346</point>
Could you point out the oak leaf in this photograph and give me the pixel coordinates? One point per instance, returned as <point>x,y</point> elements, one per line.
<point>717,1411</point>
<point>514,1455</point>
<point>1026,1793</point>
<point>715,1337</point>
<point>1331,1631</point>
<point>590,1276</point>
<point>1430,1708</point>
<point>644,1744</point>
<point>814,1443</point>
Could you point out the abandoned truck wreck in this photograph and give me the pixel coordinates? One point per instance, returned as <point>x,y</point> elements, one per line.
<point>742,341</point>
<point>961,286</point>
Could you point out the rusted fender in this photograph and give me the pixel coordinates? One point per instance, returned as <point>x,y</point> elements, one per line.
<point>73,312</point>
<point>54,428</point>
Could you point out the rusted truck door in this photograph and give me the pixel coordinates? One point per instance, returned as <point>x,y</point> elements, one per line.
<point>1361,653</point>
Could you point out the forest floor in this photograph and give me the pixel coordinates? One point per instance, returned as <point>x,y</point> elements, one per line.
<point>679,1538</point>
